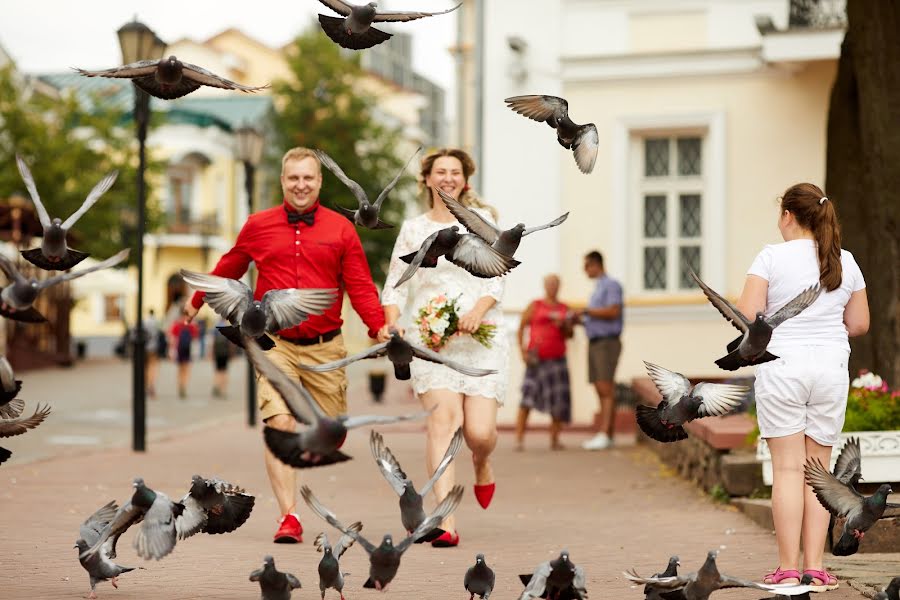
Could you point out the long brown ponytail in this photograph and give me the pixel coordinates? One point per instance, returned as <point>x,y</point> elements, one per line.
<point>815,212</point>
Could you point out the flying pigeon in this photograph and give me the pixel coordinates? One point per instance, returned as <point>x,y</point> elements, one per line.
<point>842,500</point>
<point>479,579</point>
<point>699,585</point>
<point>10,406</point>
<point>400,353</point>
<point>17,297</point>
<point>13,427</point>
<point>580,139</point>
<point>98,565</point>
<point>330,575</point>
<point>317,445</point>
<point>465,250</point>
<point>274,584</point>
<point>213,506</point>
<point>505,242</point>
<point>749,348</point>
<point>412,514</point>
<point>557,579</point>
<point>384,560</point>
<point>278,309</point>
<point>54,254</point>
<point>847,470</point>
<point>651,593</point>
<point>355,32</point>
<point>683,403</point>
<point>367,213</point>
<point>891,592</point>
<point>169,78</point>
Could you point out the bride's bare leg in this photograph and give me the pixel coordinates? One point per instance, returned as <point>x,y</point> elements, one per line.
<point>440,427</point>
<point>480,431</point>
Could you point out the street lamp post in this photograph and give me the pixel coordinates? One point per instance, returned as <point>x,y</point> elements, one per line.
<point>249,151</point>
<point>138,42</point>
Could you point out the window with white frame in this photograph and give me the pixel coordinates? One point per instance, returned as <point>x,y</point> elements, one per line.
<point>670,190</point>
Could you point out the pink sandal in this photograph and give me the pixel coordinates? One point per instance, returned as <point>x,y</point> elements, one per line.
<point>829,581</point>
<point>777,576</point>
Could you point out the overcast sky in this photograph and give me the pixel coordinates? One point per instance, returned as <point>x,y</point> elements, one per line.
<point>49,35</point>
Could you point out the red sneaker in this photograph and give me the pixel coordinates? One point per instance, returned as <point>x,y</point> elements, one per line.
<point>291,531</point>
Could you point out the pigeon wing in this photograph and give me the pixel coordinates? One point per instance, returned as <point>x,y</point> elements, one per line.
<point>540,108</point>
<point>793,308</point>
<point>452,449</point>
<point>204,77</point>
<point>346,540</point>
<point>718,398</point>
<point>725,308</point>
<point>660,583</point>
<point>441,512</point>
<point>470,219</point>
<point>125,517</point>
<point>192,519</point>
<point>363,420</point>
<point>288,308</point>
<point>673,386</point>
<point>302,405</point>
<point>840,500</point>
<point>375,351</point>
<point>142,68</point>
<point>339,6</point>
<point>849,462</point>
<point>323,512</point>
<point>387,463</point>
<point>25,172</point>
<point>101,188</point>
<point>538,583</point>
<point>579,583</point>
<point>394,16</point>
<point>228,297</point>
<point>585,147</point>
<point>557,221</point>
<point>7,375</point>
<point>354,187</point>
<point>13,427</point>
<point>477,257</point>
<point>384,193</point>
<point>418,258</point>
<point>92,528</point>
<point>156,537</point>
<point>105,264</point>
<point>431,356</point>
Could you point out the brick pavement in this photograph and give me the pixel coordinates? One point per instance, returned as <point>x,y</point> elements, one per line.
<point>612,510</point>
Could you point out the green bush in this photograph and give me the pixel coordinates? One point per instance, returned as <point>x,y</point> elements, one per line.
<point>872,410</point>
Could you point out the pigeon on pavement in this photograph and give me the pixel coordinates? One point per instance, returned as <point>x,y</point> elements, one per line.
<point>583,140</point>
<point>465,250</point>
<point>10,406</point>
<point>400,353</point>
<point>412,513</point>
<point>274,584</point>
<point>749,348</point>
<point>98,565</point>
<point>54,254</point>
<point>847,470</point>
<point>169,78</point>
<point>278,309</point>
<point>17,297</point>
<point>317,445</point>
<point>479,579</point>
<point>367,213</point>
<point>651,593</point>
<point>842,500</point>
<point>683,403</point>
<point>891,592</point>
<point>330,575</point>
<point>384,560</point>
<point>557,579</point>
<point>505,242</point>
<point>213,506</point>
<point>13,427</point>
<point>699,585</point>
<point>355,32</point>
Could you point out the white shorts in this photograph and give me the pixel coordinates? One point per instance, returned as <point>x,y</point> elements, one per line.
<point>804,390</point>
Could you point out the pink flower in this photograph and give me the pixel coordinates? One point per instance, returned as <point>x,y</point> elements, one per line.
<point>441,298</point>
<point>435,339</point>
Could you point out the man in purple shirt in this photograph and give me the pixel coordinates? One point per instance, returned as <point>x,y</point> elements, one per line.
<point>602,321</point>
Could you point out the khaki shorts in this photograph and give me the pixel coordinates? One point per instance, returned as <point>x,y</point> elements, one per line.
<point>603,356</point>
<point>329,389</point>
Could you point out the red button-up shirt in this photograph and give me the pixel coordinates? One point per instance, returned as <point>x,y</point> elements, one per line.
<point>326,254</point>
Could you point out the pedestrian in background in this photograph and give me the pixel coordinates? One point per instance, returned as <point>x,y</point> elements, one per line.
<point>182,336</point>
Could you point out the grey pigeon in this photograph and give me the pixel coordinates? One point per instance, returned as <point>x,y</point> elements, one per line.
<point>749,348</point>
<point>400,353</point>
<point>317,445</point>
<point>54,254</point>
<point>156,514</point>
<point>479,579</point>
<point>699,585</point>
<point>278,309</point>
<point>354,30</point>
<point>505,242</point>
<point>891,592</point>
<point>412,513</point>
<point>384,560</point>
<point>580,139</point>
<point>466,250</point>
<point>847,470</point>
<point>10,406</point>
<point>98,565</point>
<point>169,78</point>
<point>683,402</point>
<point>330,575</point>
<point>213,506</point>
<point>557,579</point>
<point>17,297</point>
<point>367,213</point>
<point>841,500</point>
<point>13,427</point>
<point>671,570</point>
<point>274,584</point>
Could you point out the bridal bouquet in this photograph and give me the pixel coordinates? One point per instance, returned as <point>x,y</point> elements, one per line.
<point>438,321</point>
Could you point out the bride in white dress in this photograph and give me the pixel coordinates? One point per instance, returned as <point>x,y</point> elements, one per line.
<point>461,400</point>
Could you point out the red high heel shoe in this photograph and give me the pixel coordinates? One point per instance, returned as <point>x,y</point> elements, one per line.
<point>485,493</point>
<point>446,540</point>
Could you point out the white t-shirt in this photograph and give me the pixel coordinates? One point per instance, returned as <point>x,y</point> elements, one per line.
<point>790,268</point>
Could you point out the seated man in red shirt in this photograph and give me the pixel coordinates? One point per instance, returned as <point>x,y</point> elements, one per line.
<point>301,244</point>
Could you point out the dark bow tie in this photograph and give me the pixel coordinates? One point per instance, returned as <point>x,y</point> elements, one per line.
<point>295,217</point>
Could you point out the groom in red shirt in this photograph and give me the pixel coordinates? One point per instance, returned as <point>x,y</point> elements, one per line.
<point>301,244</point>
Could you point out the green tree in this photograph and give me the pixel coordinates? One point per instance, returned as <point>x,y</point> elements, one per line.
<point>69,149</point>
<point>323,107</point>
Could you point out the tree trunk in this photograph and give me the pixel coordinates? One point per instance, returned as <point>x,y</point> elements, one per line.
<point>863,172</point>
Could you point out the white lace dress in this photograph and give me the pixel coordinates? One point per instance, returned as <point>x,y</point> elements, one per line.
<point>453,281</point>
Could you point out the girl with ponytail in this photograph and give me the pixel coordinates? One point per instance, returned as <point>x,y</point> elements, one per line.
<point>801,398</point>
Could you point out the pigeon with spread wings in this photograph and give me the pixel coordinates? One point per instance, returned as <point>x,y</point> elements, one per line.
<point>274,584</point>
<point>10,406</point>
<point>98,565</point>
<point>555,579</point>
<point>847,470</point>
<point>330,575</point>
<point>353,29</point>
<point>213,506</point>
<point>14,427</point>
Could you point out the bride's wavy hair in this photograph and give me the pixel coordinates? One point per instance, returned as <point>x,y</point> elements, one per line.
<point>469,197</point>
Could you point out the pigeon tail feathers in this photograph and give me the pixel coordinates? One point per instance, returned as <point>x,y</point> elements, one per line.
<point>649,422</point>
<point>36,257</point>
